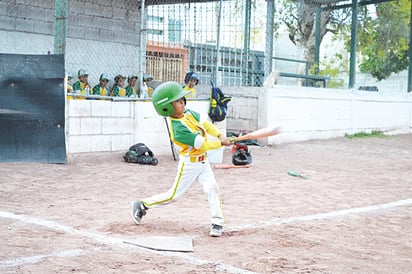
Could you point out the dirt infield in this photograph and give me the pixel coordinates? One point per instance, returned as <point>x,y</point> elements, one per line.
<point>352,214</point>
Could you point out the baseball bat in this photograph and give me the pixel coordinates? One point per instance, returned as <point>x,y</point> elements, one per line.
<point>257,134</point>
<point>172,146</point>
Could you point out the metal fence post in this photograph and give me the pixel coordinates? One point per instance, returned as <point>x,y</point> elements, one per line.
<point>216,77</point>
<point>270,13</point>
<point>410,54</point>
<point>353,43</point>
<point>142,54</point>
<point>60,11</point>
<point>246,42</point>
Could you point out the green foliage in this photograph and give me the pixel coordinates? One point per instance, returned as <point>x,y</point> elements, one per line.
<point>373,134</point>
<point>287,16</point>
<point>331,66</point>
<point>382,37</point>
<point>383,40</point>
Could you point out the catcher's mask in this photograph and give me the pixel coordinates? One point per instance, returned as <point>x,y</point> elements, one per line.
<point>241,156</point>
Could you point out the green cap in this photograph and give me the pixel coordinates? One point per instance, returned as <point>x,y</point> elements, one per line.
<point>104,76</point>
<point>82,72</point>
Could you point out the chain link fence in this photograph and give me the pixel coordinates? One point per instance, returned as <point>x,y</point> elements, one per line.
<point>207,38</point>
<point>166,40</point>
<point>231,42</point>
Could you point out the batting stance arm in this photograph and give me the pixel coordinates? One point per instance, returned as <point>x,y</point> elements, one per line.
<point>204,143</point>
<point>214,131</point>
<point>183,137</point>
<point>211,129</point>
<point>201,143</point>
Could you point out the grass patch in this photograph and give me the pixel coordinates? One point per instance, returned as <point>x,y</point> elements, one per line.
<point>372,134</point>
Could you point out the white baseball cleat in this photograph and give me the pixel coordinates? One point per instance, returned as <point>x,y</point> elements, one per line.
<point>216,230</point>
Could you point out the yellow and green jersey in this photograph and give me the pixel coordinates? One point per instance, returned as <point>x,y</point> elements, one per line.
<point>190,133</point>
<point>149,91</point>
<point>69,90</point>
<point>118,91</point>
<point>130,91</point>
<point>98,90</point>
<point>192,93</point>
<point>80,88</point>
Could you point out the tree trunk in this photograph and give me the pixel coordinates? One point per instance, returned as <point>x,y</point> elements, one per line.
<point>307,31</point>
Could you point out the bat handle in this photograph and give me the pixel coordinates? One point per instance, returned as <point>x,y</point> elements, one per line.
<point>233,139</point>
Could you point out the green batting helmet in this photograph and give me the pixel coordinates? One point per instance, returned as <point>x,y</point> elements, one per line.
<point>164,95</point>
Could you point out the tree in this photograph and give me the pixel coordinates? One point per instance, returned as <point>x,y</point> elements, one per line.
<point>299,18</point>
<point>383,39</point>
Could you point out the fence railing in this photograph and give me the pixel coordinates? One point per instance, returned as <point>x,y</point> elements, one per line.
<point>308,80</point>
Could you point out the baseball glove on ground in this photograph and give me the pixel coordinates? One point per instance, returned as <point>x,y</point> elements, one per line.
<point>140,154</point>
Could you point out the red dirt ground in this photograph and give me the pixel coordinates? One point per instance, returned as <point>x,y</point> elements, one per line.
<point>73,218</point>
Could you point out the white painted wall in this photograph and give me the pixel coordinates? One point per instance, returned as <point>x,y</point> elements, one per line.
<point>312,113</point>
<point>97,125</point>
<point>303,114</point>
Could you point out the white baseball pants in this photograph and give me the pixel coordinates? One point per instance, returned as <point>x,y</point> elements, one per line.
<point>187,173</point>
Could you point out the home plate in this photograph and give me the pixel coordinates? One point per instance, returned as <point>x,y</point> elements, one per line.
<point>164,243</point>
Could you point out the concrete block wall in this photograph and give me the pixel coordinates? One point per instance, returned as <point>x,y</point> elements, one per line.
<point>26,27</point>
<point>303,114</point>
<point>97,125</point>
<point>243,109</point>
<point>311,113</point>
<point>102,36</point>
<point>35,16</point>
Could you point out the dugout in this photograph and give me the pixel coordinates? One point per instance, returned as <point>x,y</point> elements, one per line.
<point>32,104</point>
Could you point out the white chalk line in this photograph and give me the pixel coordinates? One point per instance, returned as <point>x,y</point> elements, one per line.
<point>101,238</point>
<point>34,259</point>
<point>194,260</point>
<point>320,216</point>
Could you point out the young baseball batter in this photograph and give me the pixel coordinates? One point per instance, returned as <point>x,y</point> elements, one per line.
<point>189,130</point>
